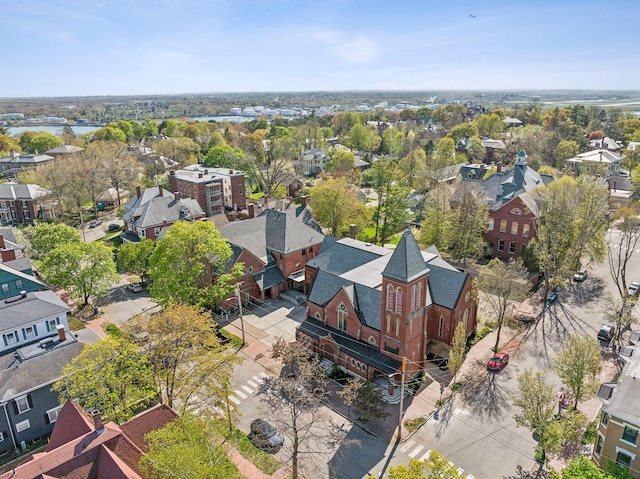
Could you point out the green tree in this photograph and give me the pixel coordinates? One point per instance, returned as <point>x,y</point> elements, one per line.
<point>413,168</point>
<point>189,366</point>
<point>503,285</point>
<point>436,228</point>
<point>44,141</point>
<point>458,349</point>
<point>363,138</point>
<point>49,236</point>
<point>470,220</point>
<point>187,448</point>
<point>434,467</point>
<point>489,125</point>
<point>8,144</point>
<point>566,149</point>
<point>25,139</point>
<point>110,133</point>
<point>573,216</point>
<point>582,467</point>
<point>224,156</point>
<point>579,366</point>
<point>83,269</point>
<point>341,162</point>
<point>188,266</point>
<point>462,131</point>
<point>113,163</point>
<point>110,376</point>
<point>135,257</point>
<point>366,397</point>
<point>335,205</point>
<point>391,211</point>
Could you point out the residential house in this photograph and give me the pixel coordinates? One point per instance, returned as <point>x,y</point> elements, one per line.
<point>29,317</point>
<point>274,247</point>
<point>368,306</point>
<point>293,184</point>
<point>13,281</point>
<point>213,188</point>
<point>492,148</point>
<point>596,162</point>
<point>29,407</point>
<point>512,209</point>
<point>605,143</point>
<point>82,446</point>
<point>513,122</point>
<point>152,210</point>
<point>20,203</point>
<point>619,422</point>
<point>10,249</point>
<point>64,150</point>
<point>312,161</point>
<point>10,165</point>
<point>113,197</point>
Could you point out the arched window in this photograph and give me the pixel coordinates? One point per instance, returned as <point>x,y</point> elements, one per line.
<point>419,296</point>
<point>342,317</point>
<point>441,326</point>
<point>413,297</point>
<point>465,318</point>
<point>389,298</point>
<point>399,300</point>
<point>397,326</point>
<point>372,340</point>
<point>388,323</point>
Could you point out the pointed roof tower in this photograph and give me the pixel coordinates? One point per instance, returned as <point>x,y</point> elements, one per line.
<point>406,262</point>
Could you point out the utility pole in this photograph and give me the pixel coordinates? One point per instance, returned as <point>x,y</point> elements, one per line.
<point>239,301</point>
<point>404,368</point>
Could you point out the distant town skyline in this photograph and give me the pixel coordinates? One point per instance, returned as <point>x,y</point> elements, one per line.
<point>143,47</point>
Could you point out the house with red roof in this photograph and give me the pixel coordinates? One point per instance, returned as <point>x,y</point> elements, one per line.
<point>83,447</point>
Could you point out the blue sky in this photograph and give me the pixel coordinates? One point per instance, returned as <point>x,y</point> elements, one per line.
<point>137,47</point>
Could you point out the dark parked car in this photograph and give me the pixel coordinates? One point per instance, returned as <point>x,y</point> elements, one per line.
<point>498,361</point>
<point>264,435</point>
<point>606,332</point>
<point>114,227</point>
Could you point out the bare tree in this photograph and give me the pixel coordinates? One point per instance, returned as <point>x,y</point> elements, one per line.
<point>294,402</point>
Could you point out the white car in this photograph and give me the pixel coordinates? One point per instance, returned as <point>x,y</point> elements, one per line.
<point>580,275</point>
<point>633,288</point>
<point>135,287</point>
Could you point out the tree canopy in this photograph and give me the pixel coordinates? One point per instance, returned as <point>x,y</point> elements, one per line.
<point>49,236</point>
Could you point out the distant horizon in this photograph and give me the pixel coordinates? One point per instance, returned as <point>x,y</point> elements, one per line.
<point>364,91</point>
<point>66,48</point>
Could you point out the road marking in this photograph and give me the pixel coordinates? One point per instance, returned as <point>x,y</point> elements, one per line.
<point>460,471</point>
<point>408,445</point>
<point>471,476</point>
<point>240,394</point>
<point>247,388</point>
<point>252,384</point>
<point>415,452</point>
<point>235,400</point>
<point>426,455</point>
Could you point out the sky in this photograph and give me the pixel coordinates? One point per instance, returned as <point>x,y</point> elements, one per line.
<point>144,47</point>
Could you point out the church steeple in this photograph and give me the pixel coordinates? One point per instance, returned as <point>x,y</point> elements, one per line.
<point>406,262</point>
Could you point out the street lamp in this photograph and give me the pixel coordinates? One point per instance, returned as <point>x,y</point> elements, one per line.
<point>403,370</point>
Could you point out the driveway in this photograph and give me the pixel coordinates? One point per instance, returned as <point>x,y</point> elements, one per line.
<point>119,305</point>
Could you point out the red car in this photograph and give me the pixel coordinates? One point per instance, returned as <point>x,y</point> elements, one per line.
<point>498,361</point>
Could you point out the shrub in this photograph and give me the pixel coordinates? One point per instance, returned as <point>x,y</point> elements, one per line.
<point>413,424</point>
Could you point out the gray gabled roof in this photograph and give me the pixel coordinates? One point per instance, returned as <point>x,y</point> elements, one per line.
<point>18,191</point>
<point>38,370</point>
<point>406,262</point>
<point>156,206</point>
<point>340,256</point>
<point>270,277</point>
<point>360,350</point>
<point>36,306</point>
<point>446,285</point>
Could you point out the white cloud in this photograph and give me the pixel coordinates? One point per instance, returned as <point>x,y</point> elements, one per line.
<point>351,49</point>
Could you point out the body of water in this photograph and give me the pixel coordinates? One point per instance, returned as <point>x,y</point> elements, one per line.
<point>54,129</point>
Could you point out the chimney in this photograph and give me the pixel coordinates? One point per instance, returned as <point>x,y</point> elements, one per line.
<point>600,155</point>
<point>352,231</point>
<point>251,209</point>
<point>7,254</point>
<point>61,334</point>
<point>482,167</point>
<point>97,422</point>
<point>23,294</point>
<point>178,195</point>
<point>265,201</point>
<point>138,192</point>
<point>231,172</point>
<point>206,172</point>
<point>499,167</point>
<point>2,246</point>
<point>165,223</point>
<point>305,201</point>
<point>160,191</point>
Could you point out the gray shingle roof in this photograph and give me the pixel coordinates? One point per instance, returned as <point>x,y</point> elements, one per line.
<point>362,351</point>
<point>37,370</point>
<point>153,209</point>
<point>343,255</point>
<point>36,306</point>
<point>406,262</point>
<point>12,191</point>
<point>271,276</point>
<point>445,285</point>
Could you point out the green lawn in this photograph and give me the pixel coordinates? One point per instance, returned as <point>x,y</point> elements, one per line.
<point>257,196</point>
<point>262,460</point>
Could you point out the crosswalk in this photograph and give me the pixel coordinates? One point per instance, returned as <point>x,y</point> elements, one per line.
<point>413,450</point>
<point>247,389</point>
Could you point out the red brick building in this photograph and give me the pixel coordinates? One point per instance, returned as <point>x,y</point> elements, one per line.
<point>20,203</point>
<point>152,210</point>
<point>512,208</point>
<point>274,247</point>
<point>213,188</point>
<point>368,307</point>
